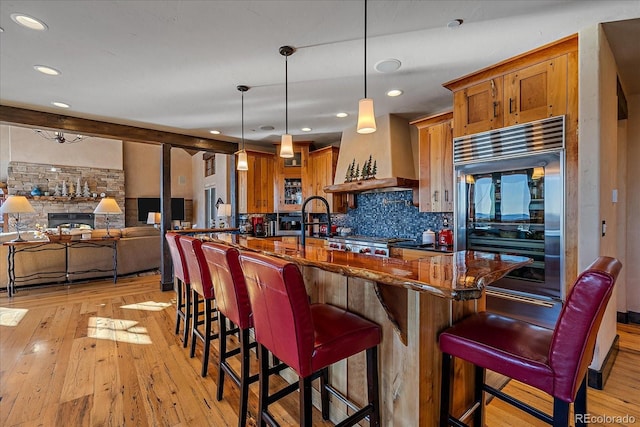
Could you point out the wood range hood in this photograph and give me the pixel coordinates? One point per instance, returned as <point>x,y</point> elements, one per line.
<point>389,147</point>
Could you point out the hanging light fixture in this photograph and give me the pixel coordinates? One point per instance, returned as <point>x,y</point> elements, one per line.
<point>59,137</point>
<point>286,145</point>
<point>366,116</point>
<point>243,164</point>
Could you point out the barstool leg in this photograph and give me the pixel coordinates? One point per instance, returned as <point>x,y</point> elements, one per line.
<point>187,313</point>
<point>560,413</point>
<point>245,353</point>
<point>179,303</point>
<point>372,386</point>
<point>479,382</point>
<point>445,389</point>
<point>324,393</point>
<point>207,336</point>
<point>305,402</point>
<point>196,314</point>
<point>263,400</point>
<point>580,404</point>
<point>222,328</point>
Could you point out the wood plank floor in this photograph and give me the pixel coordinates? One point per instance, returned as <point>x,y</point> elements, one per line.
<point>99,354</point>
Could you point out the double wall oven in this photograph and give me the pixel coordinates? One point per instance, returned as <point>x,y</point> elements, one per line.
<point>510,200</point>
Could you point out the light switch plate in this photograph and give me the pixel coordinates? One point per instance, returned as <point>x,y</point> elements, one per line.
<point>614,196</point>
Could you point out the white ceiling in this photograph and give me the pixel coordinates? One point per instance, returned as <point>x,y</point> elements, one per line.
<point>175,65</point>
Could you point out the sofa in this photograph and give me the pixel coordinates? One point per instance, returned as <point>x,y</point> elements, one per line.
<point>138,249</point>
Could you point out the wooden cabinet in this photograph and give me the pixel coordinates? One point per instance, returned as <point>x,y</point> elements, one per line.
<point>322,171</point>
<point>292,178</point>
<point>536,92</point>
<point>533,91</point>
<point>436,163</point>
<point>256,186</point>
<point>478,108</point>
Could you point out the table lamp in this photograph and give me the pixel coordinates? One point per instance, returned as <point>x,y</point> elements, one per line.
<point>107,205</point>
<point>224,211</point>
<point>154,218</point>
<point>16,205</point>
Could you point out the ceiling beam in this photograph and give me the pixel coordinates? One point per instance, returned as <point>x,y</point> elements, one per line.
<point>39,119</point>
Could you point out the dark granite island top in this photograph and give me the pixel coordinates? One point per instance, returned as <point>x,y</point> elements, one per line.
<point>460,275</point>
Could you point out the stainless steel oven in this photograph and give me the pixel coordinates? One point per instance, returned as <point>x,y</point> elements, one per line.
<point>289,224</point>
<point>510,200</point>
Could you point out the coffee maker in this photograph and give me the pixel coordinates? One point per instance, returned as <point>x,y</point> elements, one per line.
<point>258,226</point>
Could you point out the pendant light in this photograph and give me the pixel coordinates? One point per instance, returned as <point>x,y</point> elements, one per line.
<point>243,164</point>
<point>286,145</point>
<point>366,116</point>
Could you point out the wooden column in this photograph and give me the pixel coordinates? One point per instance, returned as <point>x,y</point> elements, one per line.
<point>166,272</point>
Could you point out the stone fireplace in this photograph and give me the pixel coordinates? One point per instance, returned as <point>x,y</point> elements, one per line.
<point>22,177</point>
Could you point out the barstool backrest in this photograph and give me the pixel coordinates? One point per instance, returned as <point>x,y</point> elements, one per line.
<point>197,266</point>
<point>232,299</point>
<point>574,337</point>
<point>179,266</point>
<point>281,312</point>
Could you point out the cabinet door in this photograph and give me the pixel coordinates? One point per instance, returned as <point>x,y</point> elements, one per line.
<point>267,182</point>
<point>255,186</point>
<point>478,108</point>
<point>536,92</point>
<point>436,168</point>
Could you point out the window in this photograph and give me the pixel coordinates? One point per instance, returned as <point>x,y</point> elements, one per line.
<point>209,164</point>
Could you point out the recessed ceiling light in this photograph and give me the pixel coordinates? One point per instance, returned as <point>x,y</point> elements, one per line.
<point>1,30</point>
<point>61,104</point>
<point>306,129</point>
<point>341,115</point>
<point>454,23</point>
<point>394,92</point>
<point>47,70</point>
<point>28,22</point>
<point>387,65</point>
<point>214,132</point>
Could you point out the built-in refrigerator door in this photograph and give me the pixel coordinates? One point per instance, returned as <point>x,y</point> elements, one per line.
<point>515,206</point>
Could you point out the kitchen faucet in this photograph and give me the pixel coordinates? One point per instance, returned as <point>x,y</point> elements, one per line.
<point>305,222</point>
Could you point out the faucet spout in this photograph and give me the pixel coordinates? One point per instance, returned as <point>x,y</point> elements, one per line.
<point>305,222</point>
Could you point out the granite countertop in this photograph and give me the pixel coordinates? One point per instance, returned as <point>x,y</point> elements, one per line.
<point>460,276</point>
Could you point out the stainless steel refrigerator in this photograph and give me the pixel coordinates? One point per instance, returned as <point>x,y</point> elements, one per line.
<point>510,200</point>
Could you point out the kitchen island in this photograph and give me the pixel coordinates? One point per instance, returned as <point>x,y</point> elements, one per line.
<point>412,300</point>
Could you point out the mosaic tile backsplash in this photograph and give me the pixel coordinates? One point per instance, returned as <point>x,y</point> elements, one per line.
<point>390,214</point>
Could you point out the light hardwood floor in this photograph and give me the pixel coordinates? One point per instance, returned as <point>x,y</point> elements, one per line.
<point>87,355</point>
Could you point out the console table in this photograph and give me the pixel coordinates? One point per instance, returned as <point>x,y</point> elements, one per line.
<point>39,246</point>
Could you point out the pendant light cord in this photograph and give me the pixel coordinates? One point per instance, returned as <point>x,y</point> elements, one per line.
<point>242,119</point>
<point>286,94</point>
<point>365,48</point>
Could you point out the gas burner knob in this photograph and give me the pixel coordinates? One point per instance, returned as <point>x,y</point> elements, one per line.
<point>380,252</point>
<point>365,251</point>
<point>347,248</point>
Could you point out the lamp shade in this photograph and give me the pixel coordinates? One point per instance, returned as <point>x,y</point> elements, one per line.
<point>16,204</point>
<point>366,116</point>
<point>108,205</point>
<point>286,147</point>
<point>224,209</point>
<point>154,218</point>
<point>243,163</point>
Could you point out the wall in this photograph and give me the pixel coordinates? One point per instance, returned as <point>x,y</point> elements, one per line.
<point>621,237</point>
<point>597,165</point>
<point>633,208</point>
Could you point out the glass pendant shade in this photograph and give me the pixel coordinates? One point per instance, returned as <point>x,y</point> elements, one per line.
<point>366,116</point>
<point>286,146</point>
<point>243,164</point>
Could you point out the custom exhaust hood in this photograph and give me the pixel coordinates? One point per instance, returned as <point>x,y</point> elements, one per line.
<point>390,148</point>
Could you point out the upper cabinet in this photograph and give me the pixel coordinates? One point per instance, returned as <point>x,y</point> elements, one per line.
<point>522,89</point>
<point>255,186</point>
<point>436,163</point>
<point>322,171</point>
<point>292,178</point>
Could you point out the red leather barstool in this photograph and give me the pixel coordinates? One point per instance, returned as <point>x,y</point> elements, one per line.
<point>182,285</point>
<point>306,337</point>
<point>201,287</point>
<point>232,302</point>
<point>552,360</point>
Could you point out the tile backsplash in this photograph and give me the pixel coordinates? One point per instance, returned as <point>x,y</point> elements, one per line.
<point>390,214</point>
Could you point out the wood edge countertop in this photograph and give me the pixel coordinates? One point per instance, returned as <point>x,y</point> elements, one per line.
<point>459,276</point>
